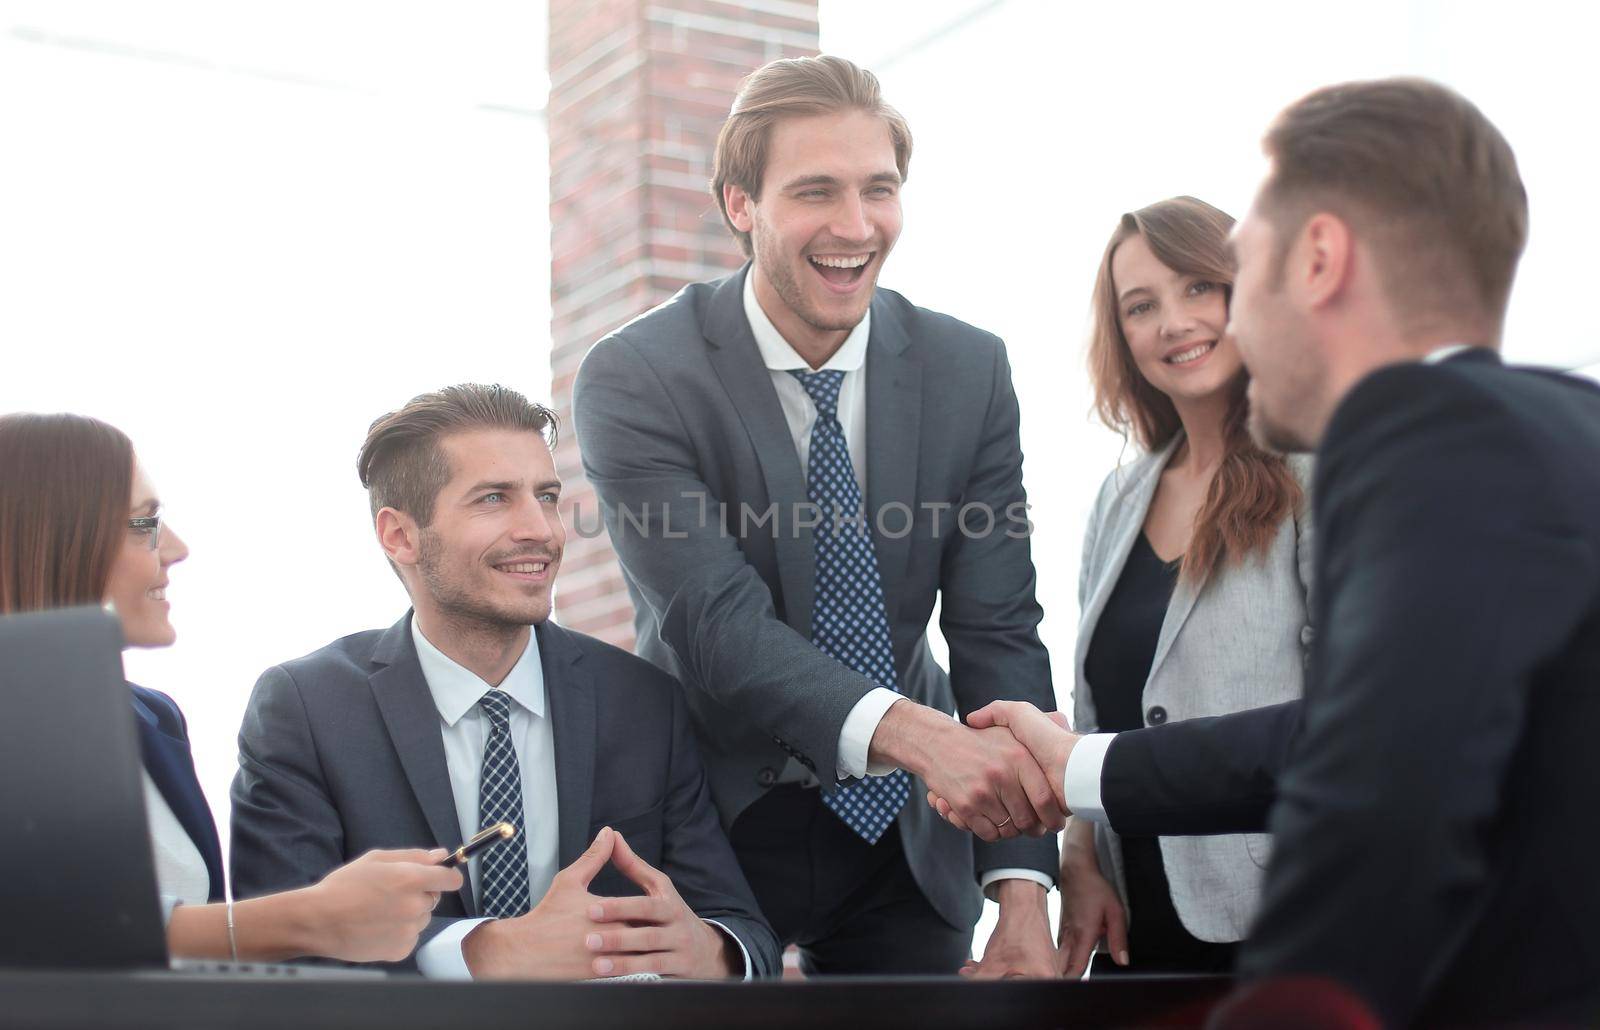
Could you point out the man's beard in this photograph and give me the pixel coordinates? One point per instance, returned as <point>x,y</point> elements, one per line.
<point>782,278</point>
<point>1270,436</point>
<point>459,604</point>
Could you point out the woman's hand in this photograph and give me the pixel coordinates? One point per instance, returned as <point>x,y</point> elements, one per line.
<point>374,909</point>
<point>1090,908</point>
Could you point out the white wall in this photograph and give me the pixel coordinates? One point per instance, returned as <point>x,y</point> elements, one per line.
<point>1038,123</point>
<point>241,233</point>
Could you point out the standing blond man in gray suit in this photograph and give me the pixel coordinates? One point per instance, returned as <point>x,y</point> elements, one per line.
<point>794,467</point>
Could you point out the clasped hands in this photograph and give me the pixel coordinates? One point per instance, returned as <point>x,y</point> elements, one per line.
<point>1017,786</point>
<point>572,934</point>
<point>999,776</point>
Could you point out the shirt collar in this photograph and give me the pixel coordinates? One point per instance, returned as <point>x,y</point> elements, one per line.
<point>1444,353</point>
<point>457,689</point>
<point>779,356</point>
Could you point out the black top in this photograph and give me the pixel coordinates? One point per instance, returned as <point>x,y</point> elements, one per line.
<point>1117,667</point>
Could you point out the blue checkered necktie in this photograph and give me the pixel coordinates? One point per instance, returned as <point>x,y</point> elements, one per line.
<point>503,877</point>
<point>849,620</point>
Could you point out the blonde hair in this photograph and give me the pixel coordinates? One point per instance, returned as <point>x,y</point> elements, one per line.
<point>782,89</point>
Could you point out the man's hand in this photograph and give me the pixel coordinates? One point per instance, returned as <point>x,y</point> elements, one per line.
<point>658,933</point>
<point>1020,945</point>
<point>548,942</point>
<point>987,778</point>
<point>1048,740</point>
<point>1090,908</point>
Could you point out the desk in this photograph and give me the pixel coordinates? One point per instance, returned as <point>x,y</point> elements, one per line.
<point>166,1001</point>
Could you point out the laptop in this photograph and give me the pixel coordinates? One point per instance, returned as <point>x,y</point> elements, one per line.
<point>77,873</point>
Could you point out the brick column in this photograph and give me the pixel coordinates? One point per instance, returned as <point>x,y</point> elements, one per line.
<point>638,90</point>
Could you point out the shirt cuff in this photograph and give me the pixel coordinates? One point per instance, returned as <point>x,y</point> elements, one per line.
<point>749,970</point>
<point>990,881</point>
<point>442,958</point>
<point>1081,785</point>
<point>855,737</point>
<point>169,902</point>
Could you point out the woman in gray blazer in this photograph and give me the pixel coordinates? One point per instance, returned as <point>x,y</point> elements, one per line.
<point>1193,588</point>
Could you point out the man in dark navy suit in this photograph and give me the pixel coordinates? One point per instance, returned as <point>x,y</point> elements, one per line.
<point>1433,795</point>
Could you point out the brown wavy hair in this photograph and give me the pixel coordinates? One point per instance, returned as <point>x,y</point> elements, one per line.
<point>65,482</point>
<point>1253,490</point>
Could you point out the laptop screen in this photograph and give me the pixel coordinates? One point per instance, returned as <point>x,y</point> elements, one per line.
<point>77,877</point>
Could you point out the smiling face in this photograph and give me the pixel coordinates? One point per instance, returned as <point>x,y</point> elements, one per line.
<point>489,557</point>
<point>1173,323</point>
<point>827,217</point>
<point>137,587</point>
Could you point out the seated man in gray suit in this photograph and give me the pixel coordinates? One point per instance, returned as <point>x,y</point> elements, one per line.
<point>474,708</point>
<point>794,466</point>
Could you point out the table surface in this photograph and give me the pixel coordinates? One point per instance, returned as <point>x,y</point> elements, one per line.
<point>167,1000</point>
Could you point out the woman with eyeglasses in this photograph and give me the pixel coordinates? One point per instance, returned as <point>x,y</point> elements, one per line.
<point>80,524</point>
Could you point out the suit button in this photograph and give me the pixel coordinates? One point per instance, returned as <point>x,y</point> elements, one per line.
<point>1307,636</point>
<point>767,777</point>
<point>1156,715</point>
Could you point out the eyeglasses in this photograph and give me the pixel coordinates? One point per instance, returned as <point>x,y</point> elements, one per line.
<point>147,526</point>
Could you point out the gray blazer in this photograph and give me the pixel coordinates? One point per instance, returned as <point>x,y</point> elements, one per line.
<point>341,752</point>
<point>1238,642</point>
<point>676,412</point>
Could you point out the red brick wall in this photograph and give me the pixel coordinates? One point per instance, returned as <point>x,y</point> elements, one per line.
<point>638,89</point>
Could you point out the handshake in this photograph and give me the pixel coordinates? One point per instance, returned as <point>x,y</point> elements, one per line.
<point>1003,776</point>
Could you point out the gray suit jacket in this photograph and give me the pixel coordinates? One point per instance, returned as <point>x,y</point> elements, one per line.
<point>341,752</point>
<point>676,414</point>
<point>1238,642</point>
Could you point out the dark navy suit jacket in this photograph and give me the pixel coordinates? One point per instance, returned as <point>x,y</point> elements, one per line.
<point>164,742</point>
<point>1433,796</point>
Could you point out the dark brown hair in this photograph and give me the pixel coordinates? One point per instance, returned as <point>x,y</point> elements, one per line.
<point>65,486</point>
<point>1424,176</point>
<point>786,88</point>
<point>1252,491</point>
<point>401,463</point>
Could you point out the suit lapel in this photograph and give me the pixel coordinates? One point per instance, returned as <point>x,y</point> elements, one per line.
<point>570,695</point>
<point>737,363</point>
<point>894,433</point>
<point>1184,595</point>
<point>169,763</point>
<point>1184,592</point>
<point>1125,521</point>
<point>412,720</point>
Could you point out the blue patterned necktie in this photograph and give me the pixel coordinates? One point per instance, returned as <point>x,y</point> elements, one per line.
<point>849,620</point>
<point>503,877</point>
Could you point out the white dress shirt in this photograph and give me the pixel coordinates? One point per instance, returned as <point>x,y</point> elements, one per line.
<point>800,412</point>
<point>181,874</point>
<point>1081,781</point>
<point>465,731</point>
